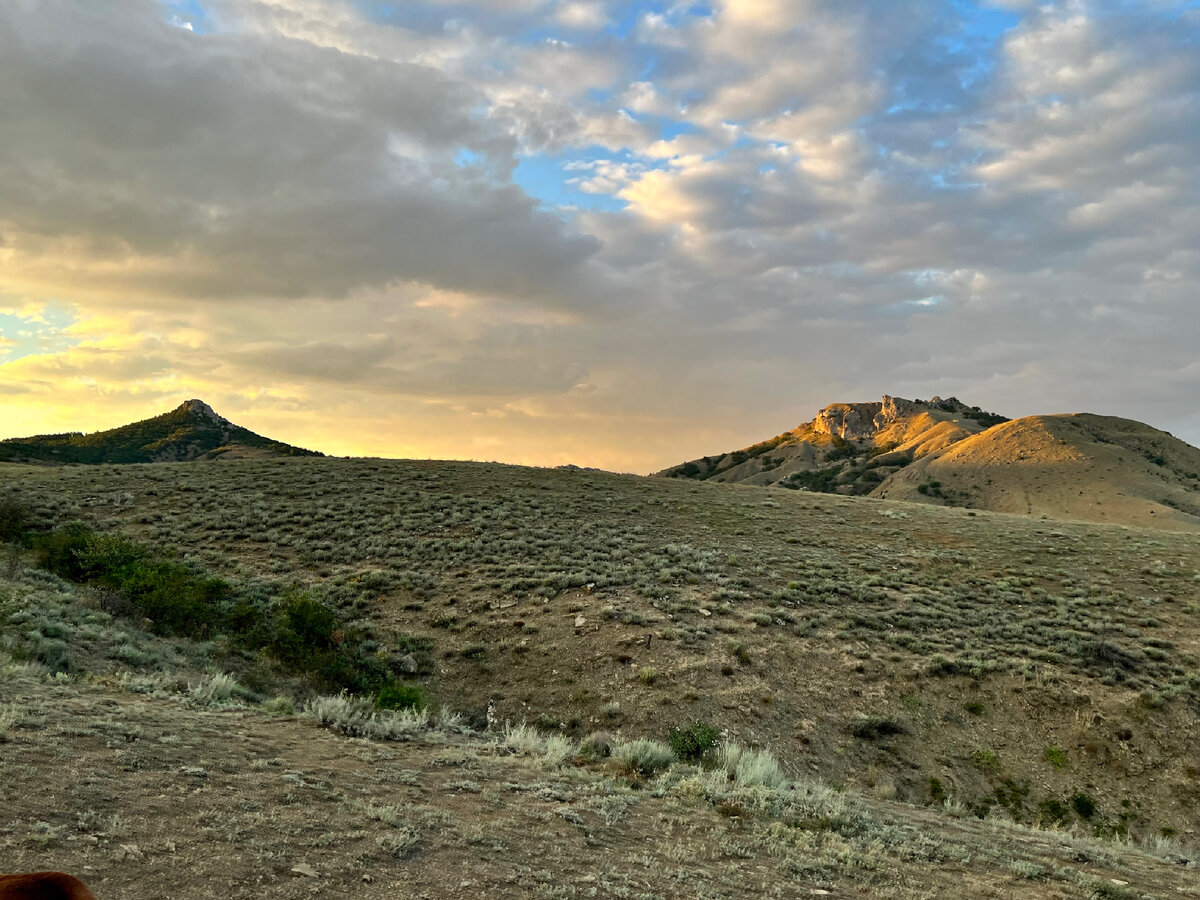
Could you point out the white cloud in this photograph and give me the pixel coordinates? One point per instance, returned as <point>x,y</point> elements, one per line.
<point>580,14</point>
<point>307,207</point>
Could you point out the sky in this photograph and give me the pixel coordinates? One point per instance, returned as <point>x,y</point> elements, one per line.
<point>614,234</point>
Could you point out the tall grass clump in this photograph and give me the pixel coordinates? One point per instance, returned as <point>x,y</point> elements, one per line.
<point>218,689</point>
<point>559,749</point>
<point>751,768</point>
<point>645,757</point>
<point>553,749</point>
<point>359,718</point>
<point>523,739</point>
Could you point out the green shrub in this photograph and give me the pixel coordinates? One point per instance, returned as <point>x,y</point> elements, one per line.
<point>51,652</point>
<point>394,695</point>
<point>59,551</point>
<point>1053,811</point>
<point>334,670</point>
<point>303,633</point>
<point>937,791</point>
<point>739,652</point>
<point>1057,757</point>
<point>985,760</point>
<point>280,706</point>
<point>14,519</point>
<point>1011,795</point>
<point>691,743</point>
<point>1084,805</point>
<point>109,558</point>
<point>410,643</point>
<point>941,666</point>
<point>304,625</point>
<point>174,597</point>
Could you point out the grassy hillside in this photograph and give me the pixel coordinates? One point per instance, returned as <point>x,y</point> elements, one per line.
<point>191,431</point>
<point>1036,671</point>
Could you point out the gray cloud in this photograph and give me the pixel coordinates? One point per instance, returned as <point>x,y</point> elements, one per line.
<point>257,164</point>
<point>861,198</point>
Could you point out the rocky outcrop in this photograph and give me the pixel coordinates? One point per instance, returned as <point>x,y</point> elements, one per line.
<point>848,448</point>
<point>860,421</point>
<point>198,409</point>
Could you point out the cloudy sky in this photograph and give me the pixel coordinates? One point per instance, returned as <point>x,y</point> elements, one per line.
<point>618,234</point>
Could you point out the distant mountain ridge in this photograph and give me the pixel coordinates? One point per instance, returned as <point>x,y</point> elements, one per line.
<point>1078,466</point>
<point>193,430</point>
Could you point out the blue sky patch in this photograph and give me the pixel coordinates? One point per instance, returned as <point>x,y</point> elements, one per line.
<point>189,14</point>
<point>547,179</point>
<point>22,336</point>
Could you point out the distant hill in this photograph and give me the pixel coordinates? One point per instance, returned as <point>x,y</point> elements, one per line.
<point>191,431</point>
<point>1076,466</point>
<point>849,448</point>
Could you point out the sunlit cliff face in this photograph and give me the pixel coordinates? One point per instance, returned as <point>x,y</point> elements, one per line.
<point>612,234</point>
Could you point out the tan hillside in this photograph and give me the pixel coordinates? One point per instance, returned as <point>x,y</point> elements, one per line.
<point>1082,466</point>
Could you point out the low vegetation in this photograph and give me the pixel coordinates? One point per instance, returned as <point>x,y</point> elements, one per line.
<point>280,628</point>
<point>679,649</point>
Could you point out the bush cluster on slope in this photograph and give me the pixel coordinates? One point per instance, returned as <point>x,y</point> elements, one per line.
<point>301,632</point>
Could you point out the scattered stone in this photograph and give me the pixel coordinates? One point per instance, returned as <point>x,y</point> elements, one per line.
<point>305,870</point>
<point>704,612</point>
<point>408,665</point>
<point>580,621</point>
<point>131,851</point>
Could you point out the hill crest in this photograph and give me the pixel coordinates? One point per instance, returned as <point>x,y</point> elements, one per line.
<point>193,430</point>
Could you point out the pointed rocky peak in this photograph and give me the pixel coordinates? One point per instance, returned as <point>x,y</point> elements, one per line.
<point>200,410</point>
